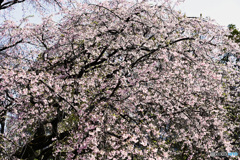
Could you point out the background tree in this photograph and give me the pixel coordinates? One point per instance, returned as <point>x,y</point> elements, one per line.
<point>111,78</point>
<point>234,33</point>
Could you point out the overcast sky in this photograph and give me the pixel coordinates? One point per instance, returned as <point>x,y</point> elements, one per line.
<point>225,12</point>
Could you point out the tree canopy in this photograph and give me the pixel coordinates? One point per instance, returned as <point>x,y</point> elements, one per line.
<point>118,80</point>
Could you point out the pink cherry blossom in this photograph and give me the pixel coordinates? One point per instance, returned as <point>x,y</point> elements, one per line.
<point>117,80</point>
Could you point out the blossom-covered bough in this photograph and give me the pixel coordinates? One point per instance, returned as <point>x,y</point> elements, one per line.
<point>117,80</point>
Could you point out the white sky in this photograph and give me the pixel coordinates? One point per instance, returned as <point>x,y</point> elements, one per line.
<point>225,12</point>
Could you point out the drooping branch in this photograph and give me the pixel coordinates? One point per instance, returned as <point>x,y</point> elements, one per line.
<point>10,46</point>
<point>9,3</point>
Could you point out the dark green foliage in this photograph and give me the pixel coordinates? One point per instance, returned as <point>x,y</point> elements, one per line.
<point>235,33</point>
